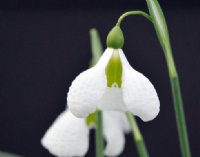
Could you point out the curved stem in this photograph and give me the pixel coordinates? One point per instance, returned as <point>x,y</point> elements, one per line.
<point>99,134</point>
<point>137,12</point>
<point>137,136</point>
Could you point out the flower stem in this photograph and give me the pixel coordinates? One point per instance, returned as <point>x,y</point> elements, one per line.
<point>96,46</point>
<point>178,104</point>
<point>96,53</point>
<point>99,134</point>
<point>137,136</point>
<point>160,26</point>
<point>137,12</point>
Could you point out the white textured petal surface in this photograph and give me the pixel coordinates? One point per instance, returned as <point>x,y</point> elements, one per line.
<point>88,88</point>
<point>114,129</point>
<point>68,136</point>
<point>112,100</point>
<point>139,94</point>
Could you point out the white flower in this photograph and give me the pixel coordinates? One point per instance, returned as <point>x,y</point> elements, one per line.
<point>90,90</point>
<point>69,135</point>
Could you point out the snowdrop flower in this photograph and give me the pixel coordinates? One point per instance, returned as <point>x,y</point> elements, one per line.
<point>112,84</point>
<point>69,135</point>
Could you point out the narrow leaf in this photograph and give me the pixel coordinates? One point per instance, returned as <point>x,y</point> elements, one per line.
<point>5,154</point>
<point>159,22</point>
<point>95,46</point>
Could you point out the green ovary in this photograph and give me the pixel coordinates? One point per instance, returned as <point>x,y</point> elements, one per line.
<point>114,70</point>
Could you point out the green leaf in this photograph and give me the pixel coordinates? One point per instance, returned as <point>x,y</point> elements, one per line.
<point>5,154</point>
<point>160,26</point>
<point>96,47</point>
<point>159,22</point>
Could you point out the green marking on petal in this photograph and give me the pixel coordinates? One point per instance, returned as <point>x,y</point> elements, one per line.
<point>114,70</point>
<point>91,119</point>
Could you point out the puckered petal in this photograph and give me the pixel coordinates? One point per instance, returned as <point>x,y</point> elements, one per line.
<point>88,88</point>
<point>139,94</point>
<point>112,100</point>
<point>68,136</point>
<point>114,129</point>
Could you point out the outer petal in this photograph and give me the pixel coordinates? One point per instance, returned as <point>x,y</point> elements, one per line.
<point>114,132</point>
<point>88,88</point>
<point>139,94</point>
<point>68,136</point>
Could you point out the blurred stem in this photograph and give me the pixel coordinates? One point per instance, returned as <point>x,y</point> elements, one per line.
<point>160,26</point>
<point>6,154</point>
<point>137,136</point>
<point>137,12</point>
<point>99,134</point>
<point>96,47</point>
<point>96,53</point>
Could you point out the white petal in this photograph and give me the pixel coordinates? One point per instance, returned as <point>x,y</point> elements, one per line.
<point>113,133</point>
<point>112,100</point>
<point>139,94</point>
<point>68,136</point>
<point>88,88</point>
<point>124,122</point>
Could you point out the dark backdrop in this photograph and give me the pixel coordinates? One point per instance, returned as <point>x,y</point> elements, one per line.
<point>45,44</point>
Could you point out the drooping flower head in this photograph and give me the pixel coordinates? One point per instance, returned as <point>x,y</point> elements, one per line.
<point>112,84</point>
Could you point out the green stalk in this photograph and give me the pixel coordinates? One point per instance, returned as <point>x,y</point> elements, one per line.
<point>137,136</point>
<point>96,53</point>
<point>136,12</point>
<point>96,46</point>
<point>99,134</point>
<point>160,26</point>
<point>6,154</point>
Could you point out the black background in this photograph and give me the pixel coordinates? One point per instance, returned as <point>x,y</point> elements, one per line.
<point>45,44</point>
